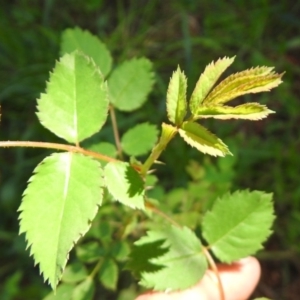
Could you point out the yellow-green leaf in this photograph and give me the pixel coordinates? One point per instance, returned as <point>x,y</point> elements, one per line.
<point>255,80</point>
<point>248,111</point>
<point>199,137</point>
<point>207,80</point>
<point>176,97</point>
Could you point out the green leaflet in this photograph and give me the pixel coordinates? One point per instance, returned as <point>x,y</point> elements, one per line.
<point>130,84</point>
<point>124,184</point>
<point>139,139</point>
<point>64,291</point>
<point>58,205</point>
<point>207,80</point>
<point>255,80</point>
<point>90,252</point>
<point>199,137</point>
<point>238,224</point>
<point>85,290</point>
<point>182,255</point>
<point>248,111</point>
<point>109,273</point>
<point>74,273</point>
<point>76,104</point>
<point>176,97</point>
<point>83,40</point>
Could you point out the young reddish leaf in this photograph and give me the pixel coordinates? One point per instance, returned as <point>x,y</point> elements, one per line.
<point>124,184</point>
<point>130,84</point>
<point>139,139</point>
<point>255,80</point>
<point>238,224</point>
<point>199,137</point>
<point>247,111</point>
<point>176,97</point>
<point>179,252</point>
<point>76,104</point>
<point>83,40</point>
<point>207,80</point>
<point>58,205</point>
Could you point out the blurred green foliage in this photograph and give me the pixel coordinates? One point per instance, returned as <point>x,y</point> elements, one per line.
<point>190,33</point>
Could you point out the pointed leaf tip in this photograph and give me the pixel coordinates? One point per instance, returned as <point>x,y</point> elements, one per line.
<point>199,137</point>
<point>58,207</point>
<point>255,80</point>
<point>78,39</point>
<point>207,80</point>
<point>248,111</point>
<point>76,103</point>
<point>238,224</point>
<point>176,97</point>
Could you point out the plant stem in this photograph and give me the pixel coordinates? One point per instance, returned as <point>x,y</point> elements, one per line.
<point>168,132</point>
<point>56,146</point>
<point>96,269</point>
<point>215,270</point>
<point>115,130</point>
<point>160,213</point>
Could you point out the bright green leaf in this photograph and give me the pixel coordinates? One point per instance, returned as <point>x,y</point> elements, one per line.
<point>130,84</point>
<point>255,80</point>
<point>85,290</point>
<point>199,137</point>
<point>108,274</point>
<point>76,104</point>
<point>61,200</point>
<point>207,80</point>
<point>83,40</point>
<point>124,184</point>
<point>74,272</point>
<point>247,111</point>
<point>140,139</point>
<point>183,256</point>
<point>238,224</point>
<point>176,97</point>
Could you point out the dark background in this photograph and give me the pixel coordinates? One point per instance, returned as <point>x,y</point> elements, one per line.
<point>191,34</point>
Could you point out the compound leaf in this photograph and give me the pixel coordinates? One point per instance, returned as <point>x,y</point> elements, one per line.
<point>247,111</point>
<point>176,97</point>
<point>238,224</point>
<point>181,253</point>
<point>207,80</point>
<point>76,103</point>
<point>255,80</point>
<point>83,40</point>
<point>140,139</point>
<point>199,137</point>
<point>58,205</point>
<point>124,184</point>
<point>130,84</point>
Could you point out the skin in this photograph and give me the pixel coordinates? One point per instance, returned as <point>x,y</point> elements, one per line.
<point>238,279</point>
